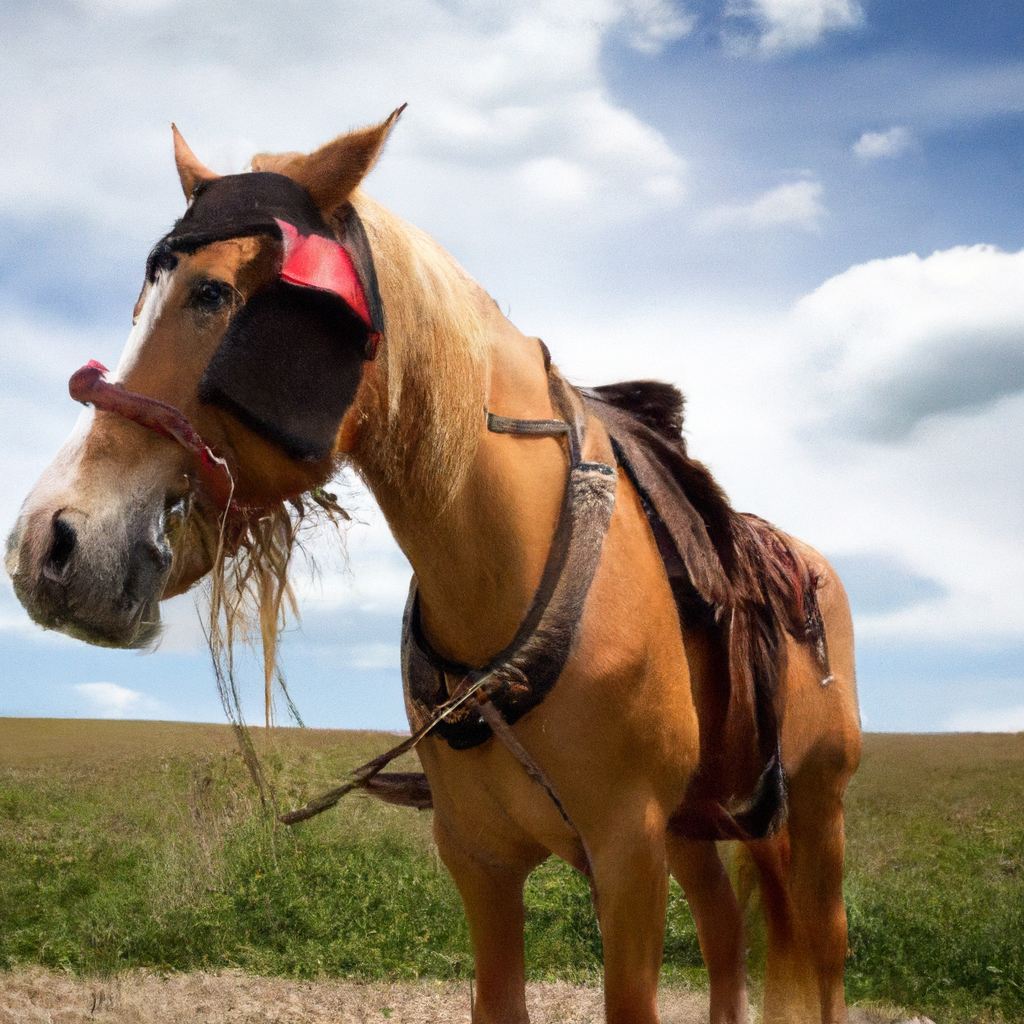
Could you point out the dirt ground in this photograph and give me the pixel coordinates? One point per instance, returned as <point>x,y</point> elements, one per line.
<point>41,997</point>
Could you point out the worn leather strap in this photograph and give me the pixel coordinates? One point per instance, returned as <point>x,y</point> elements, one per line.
<point>529,669</point>
<point>537,428</point>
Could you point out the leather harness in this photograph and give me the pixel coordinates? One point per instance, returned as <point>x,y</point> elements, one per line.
<point>489,698</point>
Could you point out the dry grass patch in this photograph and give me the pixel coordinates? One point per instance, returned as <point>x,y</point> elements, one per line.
<point>136,997</point>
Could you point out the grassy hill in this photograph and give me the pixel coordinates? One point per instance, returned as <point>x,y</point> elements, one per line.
<point>126,844</point>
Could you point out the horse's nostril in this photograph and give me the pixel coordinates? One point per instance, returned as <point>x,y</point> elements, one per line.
<point>64,540</point>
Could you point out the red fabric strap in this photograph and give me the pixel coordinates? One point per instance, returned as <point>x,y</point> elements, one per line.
<point>313,261</point>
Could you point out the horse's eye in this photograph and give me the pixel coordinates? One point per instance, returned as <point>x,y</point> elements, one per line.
<point>211,295</point>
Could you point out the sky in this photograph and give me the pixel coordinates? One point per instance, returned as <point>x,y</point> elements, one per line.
<point>808,214</point>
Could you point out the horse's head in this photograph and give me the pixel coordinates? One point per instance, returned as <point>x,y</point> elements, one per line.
<point>238,390</point>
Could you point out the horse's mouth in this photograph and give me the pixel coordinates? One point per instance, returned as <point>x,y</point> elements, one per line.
<point>142,630</point>
<point>47,606</point>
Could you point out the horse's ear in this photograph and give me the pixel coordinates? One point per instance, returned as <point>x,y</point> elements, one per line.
<point>190,170</point>
<point>331,173</point>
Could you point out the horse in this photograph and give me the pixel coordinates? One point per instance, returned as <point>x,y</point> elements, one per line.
<point>702,686</point>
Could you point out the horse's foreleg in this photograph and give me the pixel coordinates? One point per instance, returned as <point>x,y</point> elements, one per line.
<point>632,893</point>
<point>697,867</point>
<point>492,894</point>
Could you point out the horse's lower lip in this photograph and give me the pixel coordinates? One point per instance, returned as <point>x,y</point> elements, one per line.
<point>136,629</point>
<point>141,630</point>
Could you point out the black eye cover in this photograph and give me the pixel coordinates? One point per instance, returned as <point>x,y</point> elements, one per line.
<point>292,359</point>
<point>289,367</point>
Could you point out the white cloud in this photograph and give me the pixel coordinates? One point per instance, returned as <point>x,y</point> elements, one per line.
<point>556,183</point>
<point>108,700</point>
<point>790,24</point>
<point>797,204</point>
<point>495,90</point>
<point>976,720</point>
<point>907,410</point>
<point>652,24</point>
<point>903,339</point>
<point>873,145</point>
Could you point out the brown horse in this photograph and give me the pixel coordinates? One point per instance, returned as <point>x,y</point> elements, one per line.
<point>253,372</point>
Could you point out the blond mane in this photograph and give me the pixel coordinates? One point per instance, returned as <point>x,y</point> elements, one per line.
<point>425,418</point>
<point>422,420</point>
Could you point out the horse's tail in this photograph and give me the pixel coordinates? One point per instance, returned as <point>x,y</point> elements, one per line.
<point>774,592</point>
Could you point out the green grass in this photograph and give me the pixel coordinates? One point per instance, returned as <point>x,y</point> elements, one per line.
<point>935,874</point>
<point>141,845</point>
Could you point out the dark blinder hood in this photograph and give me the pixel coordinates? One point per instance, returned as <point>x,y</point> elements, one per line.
<point>291,361</point>
<point>245,204</point>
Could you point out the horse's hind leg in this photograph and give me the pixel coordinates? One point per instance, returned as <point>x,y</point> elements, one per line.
<point>788,995</point>
<point>696,866</point>
<point>801,872</point>
<point>816,858</point>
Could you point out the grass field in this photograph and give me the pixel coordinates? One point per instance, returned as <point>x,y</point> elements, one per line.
<point>126,845</point>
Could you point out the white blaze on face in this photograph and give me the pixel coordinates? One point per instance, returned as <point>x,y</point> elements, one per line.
<point>62,483</point>
<point>149,314</point>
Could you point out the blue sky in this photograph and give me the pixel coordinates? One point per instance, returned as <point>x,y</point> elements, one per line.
<point>807,213</point>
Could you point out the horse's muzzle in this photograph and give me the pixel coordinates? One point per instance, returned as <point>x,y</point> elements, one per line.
<point>89,576</point>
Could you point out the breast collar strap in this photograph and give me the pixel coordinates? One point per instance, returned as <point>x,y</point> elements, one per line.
<point>486,700</point>
<point>523,673</point>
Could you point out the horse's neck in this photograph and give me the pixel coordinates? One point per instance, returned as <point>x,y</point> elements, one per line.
<point>479,551</point>
<point>478,571</point>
